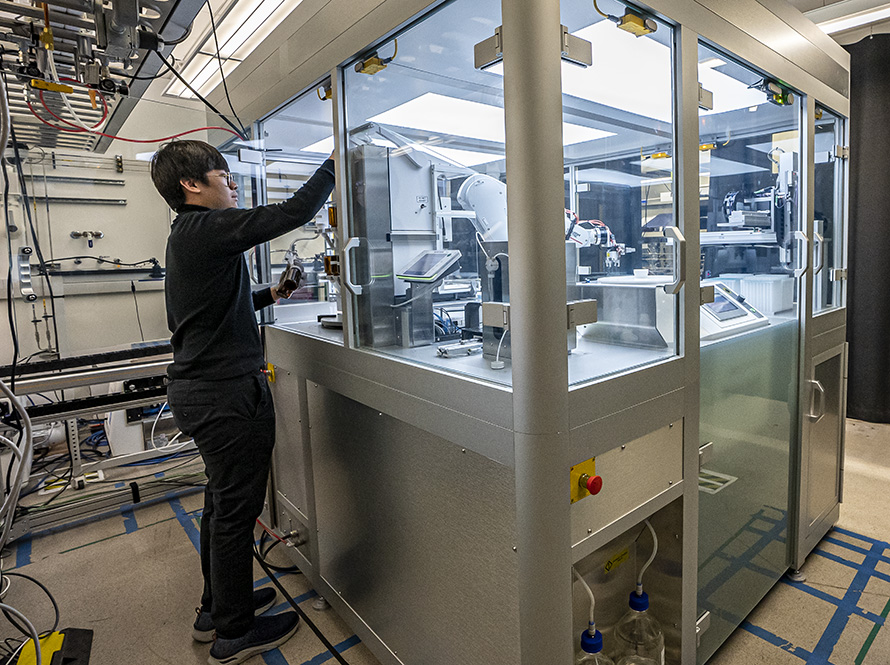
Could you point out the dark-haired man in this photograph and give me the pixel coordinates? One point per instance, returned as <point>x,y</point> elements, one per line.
<point>217,391</point>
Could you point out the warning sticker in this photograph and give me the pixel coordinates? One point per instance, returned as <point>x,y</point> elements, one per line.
<point>617,560</point>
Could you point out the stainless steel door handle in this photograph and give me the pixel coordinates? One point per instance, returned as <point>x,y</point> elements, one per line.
<point>816,415</point>
<point>354,288</point>
<point>679,259</point>
<point>819,246</point>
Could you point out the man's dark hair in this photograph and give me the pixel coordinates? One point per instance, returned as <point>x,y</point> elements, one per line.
<point>183,160</point>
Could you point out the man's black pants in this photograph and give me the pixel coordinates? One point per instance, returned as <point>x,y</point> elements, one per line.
<point>233,424</point>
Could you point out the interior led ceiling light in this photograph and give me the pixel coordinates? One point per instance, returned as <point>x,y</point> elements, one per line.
<point>440,114</point>
<point>852,18</point>
<point>239,31</point>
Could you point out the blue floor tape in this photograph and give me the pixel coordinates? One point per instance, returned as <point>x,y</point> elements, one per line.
<point>175,494</point>
<point>851,564</point>
<point>130,523</point>
<point>859,536</point>
<point>274,657</point>
<point>326,656</point>
<point>846,606</point>
<point>777,641</point>
<point>187,522</point>
<point>834,600</point>
<point>23,552</point>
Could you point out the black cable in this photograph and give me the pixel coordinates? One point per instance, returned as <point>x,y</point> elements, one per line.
<point>239,132</point>
<point>10,309</point>
<point>157,76</point>
<point>51,599</point>
<point>136,302</point>
<point>133,77</point>
<point>70,473</point>
<point>99,259</point>
<point>18,445</point>
<point>221,73</point>
<point>330,647</point>
<point>27,203</point>
<point>11,649</point>
<point>179,40</point>
<point>9,302</point>
<point>265,552</point>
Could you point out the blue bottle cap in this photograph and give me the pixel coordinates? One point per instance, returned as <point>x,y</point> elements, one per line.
<point>639,603</point>
<point>591,644</point>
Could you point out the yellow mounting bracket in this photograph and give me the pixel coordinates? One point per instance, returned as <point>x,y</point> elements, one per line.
<point>46,37</point>
<point>51,87</point>
<point>585,470</point>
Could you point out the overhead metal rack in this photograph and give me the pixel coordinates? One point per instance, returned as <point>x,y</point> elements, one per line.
<point>69,20</point>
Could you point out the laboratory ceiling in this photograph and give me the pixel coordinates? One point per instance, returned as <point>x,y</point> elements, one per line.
<point>39,111</point>
<point>853,19</point>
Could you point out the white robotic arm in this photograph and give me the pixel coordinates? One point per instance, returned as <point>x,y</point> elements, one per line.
<point>487,197</point>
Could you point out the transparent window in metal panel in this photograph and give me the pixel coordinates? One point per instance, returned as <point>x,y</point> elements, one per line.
<point>425,145</point>
<point>619,222</point>
<point>829,226</point>
<point>297,139</point>
<point>754,256</point>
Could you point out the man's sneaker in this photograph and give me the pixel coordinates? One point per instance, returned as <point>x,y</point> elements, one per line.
<point>263,600</point>
<point>267,633</point>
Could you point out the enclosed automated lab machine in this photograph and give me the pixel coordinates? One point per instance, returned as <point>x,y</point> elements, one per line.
<point>584,275</point>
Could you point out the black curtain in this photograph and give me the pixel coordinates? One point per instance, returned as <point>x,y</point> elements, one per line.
<point>868,304</point>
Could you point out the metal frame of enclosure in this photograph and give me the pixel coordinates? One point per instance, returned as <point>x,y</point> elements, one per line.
<point>430,497</point>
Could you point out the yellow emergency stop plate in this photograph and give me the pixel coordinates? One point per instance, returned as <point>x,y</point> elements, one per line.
<point>577,491</point>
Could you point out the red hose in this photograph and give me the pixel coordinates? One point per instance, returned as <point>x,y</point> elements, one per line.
<point>78,127</point>
<point>120,138</point>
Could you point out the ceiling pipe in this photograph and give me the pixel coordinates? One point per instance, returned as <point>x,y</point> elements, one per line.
<point>76,5</point>
<point>59,18</point>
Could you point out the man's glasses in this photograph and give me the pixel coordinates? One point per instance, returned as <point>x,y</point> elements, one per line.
<point>230,179</point>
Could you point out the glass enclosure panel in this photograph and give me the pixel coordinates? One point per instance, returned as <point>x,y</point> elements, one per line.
<point>297,139</point>
<point>752,254</point>
<point>828,215</point>
<point>619,149</point>
<point>248,180</point>
<point>427,196</point>
<point>246,175</point>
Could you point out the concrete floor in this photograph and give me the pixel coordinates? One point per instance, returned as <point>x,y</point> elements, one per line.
<point>837,616</point>
<point>134,580</point>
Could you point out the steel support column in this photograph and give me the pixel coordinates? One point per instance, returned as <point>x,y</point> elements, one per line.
<point>686,167</point>
<point>535,201</point>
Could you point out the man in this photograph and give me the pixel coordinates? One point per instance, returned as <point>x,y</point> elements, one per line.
<point>217,391</point>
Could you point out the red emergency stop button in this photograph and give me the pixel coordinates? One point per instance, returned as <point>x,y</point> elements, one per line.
<point>592,484</point>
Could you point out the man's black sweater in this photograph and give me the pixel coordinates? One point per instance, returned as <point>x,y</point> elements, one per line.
<point>210,307</point>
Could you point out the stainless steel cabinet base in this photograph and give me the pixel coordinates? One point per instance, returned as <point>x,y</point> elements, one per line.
<point>411,535</point>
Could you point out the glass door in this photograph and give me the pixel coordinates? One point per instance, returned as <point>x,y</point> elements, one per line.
<point>753,255</point>
<point>426,189</point>
<point>621,232</point>
<point>297,139</point>
<point>829,235</point>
